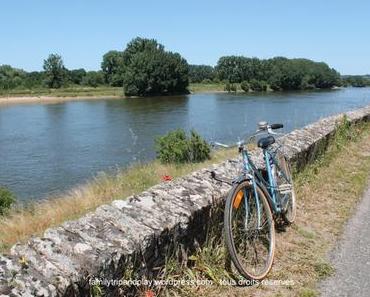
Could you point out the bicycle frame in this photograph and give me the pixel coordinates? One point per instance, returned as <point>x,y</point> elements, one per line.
<point>268,186</point>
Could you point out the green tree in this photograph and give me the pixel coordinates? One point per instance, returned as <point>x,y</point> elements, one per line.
<point>34,79</point>
<point>231,68</point>
<point>201,73</point>
<point>112,68</point>
<point>279,72</point>
<point>357,81</point>
<point>150,70</point>
<point>93,79</point>
<point>76,76</point>
<point>11,78</point>
<point>55,72</point>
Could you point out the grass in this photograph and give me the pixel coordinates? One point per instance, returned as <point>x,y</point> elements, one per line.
<point>328,191</point>
<point>79,91</point>
<point>205,87</point>
<point>64,92</point>
<point>23,221</point>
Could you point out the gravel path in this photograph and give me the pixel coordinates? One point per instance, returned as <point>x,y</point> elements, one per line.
<point>352,257</point>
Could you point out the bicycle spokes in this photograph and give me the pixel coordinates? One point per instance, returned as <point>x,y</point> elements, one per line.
<point>251,231</point>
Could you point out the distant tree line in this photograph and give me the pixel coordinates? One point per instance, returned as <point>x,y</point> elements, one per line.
<point>144,68</point>
<point>55,76</point>
<point>356,80</point>
<point>278,73</point>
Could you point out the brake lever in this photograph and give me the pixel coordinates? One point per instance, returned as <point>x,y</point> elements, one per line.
<point>269,131</point>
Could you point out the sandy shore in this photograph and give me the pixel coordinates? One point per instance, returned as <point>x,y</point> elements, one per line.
<point>49,99</point>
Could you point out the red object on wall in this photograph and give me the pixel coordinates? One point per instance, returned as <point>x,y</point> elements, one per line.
<point>149,293</point>
<point>166,178</point>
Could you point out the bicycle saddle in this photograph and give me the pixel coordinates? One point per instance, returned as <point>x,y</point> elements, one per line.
<point>264,142</point>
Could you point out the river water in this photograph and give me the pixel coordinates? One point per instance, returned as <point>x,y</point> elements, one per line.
<point>49,148</point>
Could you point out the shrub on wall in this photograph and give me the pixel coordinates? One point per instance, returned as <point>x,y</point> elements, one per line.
<point>177,147</point>
<point>7,198</point>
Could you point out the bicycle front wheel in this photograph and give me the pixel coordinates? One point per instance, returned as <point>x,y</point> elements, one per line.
<point>249,231</point>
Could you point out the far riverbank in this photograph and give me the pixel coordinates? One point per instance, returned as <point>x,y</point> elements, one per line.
<point>51,99</point>
<point>74,94</point>
<point>88,93</point>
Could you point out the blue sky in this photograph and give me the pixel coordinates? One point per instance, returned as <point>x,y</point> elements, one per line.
<point>336,32</point>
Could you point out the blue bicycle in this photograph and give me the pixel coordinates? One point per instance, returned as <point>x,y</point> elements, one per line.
<point>258,199</point>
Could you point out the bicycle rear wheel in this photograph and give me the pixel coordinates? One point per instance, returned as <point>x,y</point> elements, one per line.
<point>249,231</point>
<point>285,185</point>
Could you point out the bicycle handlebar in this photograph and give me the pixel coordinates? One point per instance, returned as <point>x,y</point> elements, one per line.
<point>265,126</point>
<point>262,127</point>
<point>276,126</point>
<point>239,143</point>
<point>220,144</point>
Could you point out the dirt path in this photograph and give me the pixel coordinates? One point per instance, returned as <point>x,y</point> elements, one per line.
<point>351,259</point>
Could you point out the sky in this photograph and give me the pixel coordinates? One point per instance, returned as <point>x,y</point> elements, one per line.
<point>336,32</point>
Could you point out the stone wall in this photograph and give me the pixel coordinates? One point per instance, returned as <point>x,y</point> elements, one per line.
<point>116,239</point>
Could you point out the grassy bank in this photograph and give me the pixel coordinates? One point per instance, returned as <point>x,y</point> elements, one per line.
<point>22,222</point>
<point>204,88</point>
<point>98,91</point>
<point>64,92</point>
<point>327,193</point>
<point>55,95</point>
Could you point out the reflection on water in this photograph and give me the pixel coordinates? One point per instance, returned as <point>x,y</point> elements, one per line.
<point>47,148</point>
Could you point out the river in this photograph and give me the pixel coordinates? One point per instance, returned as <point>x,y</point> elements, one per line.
<point>48,148</point>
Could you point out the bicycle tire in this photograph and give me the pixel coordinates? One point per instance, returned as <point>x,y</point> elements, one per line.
<point>236,258</point>
<point>290,213</point>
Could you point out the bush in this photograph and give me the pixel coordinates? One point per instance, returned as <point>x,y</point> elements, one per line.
<point>7,198</point>
<point>177,147</point>
<point>206,81</point>
<point>258,85</point>
<point>230,87</point>
<point>245,86</point>
<point>199,149</point>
